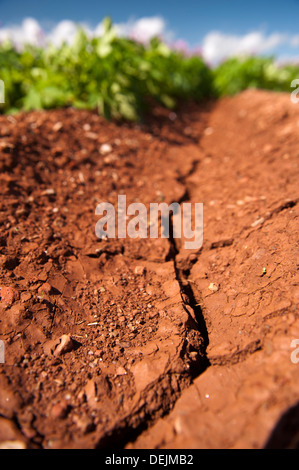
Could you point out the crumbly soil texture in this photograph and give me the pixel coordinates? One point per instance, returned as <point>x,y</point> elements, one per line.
<point>140,342</point>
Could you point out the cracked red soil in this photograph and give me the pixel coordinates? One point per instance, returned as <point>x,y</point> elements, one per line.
<point>143,343</point>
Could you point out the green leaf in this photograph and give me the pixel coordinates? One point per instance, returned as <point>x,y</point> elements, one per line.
<point>32,100</point>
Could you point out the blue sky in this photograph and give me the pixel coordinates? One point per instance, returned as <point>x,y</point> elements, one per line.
<point>192,21</point>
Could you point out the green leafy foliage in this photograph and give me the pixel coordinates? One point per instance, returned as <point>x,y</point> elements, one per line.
<point>117,75</point>
<point>237,74</point>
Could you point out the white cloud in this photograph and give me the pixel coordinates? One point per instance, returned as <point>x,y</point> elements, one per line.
<point>218,46</point>
<point>146,28</point>
<point>65,31</point>
<point>30,31</point>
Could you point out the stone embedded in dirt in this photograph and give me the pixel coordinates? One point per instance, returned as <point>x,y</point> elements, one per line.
<point>257,222</point>
<point>91,135</point>
<point>213,287</point>
<point>121,371</point>
<point>25,296</point>
<point>90,390</point>
<point>49,192</point>
<point>57,126</point>
<point>8,295</point>
<point>59,346</point>
<point>66,345</point>
<point>45,288</point>
<point>139,270</point>
<point>60,410</point>
<point>105,148</point>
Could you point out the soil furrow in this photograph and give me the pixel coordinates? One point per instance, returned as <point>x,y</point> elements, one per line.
<point>124,342</point>
<point>245,278</point>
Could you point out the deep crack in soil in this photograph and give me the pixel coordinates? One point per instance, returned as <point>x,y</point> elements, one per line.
<point>142,342</point>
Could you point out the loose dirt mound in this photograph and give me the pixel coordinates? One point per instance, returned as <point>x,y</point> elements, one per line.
<point>103,337</point>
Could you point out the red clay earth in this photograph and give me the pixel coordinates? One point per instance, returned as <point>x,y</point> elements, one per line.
<point>143,343</point>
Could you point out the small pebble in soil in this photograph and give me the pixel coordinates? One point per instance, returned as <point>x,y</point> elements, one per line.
<point>45,288</point>
<point>213,287</point>
<point>105,148</point>
<point>139,270</point>
<point>60,410</point>
<point>8,295</point>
